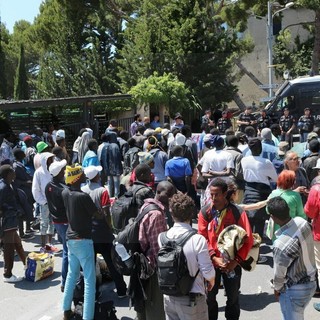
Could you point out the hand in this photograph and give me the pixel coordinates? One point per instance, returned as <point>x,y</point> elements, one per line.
<point>300,189</point>
<point>210,284</point>
<point>218,262</point>
<point>277,295</point>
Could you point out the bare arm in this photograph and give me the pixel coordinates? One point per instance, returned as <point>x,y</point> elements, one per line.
<point>253,206</point>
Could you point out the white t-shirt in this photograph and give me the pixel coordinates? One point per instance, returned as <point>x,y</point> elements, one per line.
<point>216,160</point>
<point>258,169</point>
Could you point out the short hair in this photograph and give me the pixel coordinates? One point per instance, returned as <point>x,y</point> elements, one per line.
<point>5,169</point>
<point>232,141</point>
<point>124,134</point>
<point>186,131</point>
<point>104,137</point>
<point>214,132</point>
<point>18,153</point>
<point>205,127</point>
<point>177,151</point>
<point>57,151</point>
<point>278,208</point>
<point>142,171</point>
<point>314,146</point>
<point>82,131</point>
<point>140,129</point>
<point>286,179</point>
<point>219,183</point>
<point>166,126</point>
<point>275,129</point>
<point>113,122</point>
<point>250,132</point>
<point>136,116</point>
<point>242,137</point>
<point>232,189</point>
<point>132,142</point>
<point>181,207</point>
<point>175,131</point>
<point>229,132</point>
<point>92,143</point>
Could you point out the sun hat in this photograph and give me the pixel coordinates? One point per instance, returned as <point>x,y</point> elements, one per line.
<point>283,147</point>
<point>41,145</point>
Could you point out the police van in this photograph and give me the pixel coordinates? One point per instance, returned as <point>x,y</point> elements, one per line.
<point>297,94</point>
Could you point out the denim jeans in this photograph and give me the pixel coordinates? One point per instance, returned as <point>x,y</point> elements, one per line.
<point>295,299</point>
<point>113,186</point>
<point>81,253</point>
<point>46,224</point>
<point>61,229</point>
<point>303,137</point>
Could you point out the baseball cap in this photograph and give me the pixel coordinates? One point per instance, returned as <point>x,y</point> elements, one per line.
<point>283,147</point>
<point>56,167</point>
<point>311,135</point>
<point>165,132</point>
<point>61,134</point>
<point>92,171</point>
<point>145,157</point>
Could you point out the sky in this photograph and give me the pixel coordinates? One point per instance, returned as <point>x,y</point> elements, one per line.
<point>14,10</point>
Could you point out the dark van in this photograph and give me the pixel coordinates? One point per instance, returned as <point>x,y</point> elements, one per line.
<point>297,94</point>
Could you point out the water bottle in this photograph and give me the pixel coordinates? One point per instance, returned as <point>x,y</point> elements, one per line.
<point>124,255</point>
<point>226,259</point>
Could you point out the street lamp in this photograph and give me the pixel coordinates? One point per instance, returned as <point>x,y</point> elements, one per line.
<point>270,40</point>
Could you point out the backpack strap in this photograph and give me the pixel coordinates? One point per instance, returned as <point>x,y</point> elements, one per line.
<point>145,211</point>
<point>181,240</point>
<point>204,212</point>
<point>236,211</point>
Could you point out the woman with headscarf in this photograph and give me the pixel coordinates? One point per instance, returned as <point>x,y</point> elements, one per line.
<point>83,145</point>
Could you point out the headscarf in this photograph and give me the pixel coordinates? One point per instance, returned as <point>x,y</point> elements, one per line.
<point>83,145</point>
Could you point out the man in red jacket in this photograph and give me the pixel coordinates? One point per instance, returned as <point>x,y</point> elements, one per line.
<point>218,214</point>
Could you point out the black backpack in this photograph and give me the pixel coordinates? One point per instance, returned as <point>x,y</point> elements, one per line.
<point>130,160</point>
<point>173,274</point>
<point>123,209</point>
<point>129,237</point>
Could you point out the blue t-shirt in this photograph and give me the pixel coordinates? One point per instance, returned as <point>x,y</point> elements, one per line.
<point>178,167</point>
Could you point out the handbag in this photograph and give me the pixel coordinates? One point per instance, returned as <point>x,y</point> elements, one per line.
<point>39,266</point>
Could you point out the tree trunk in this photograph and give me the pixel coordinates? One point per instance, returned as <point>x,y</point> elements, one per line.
<point>316,47</point>
<point>239,102</point>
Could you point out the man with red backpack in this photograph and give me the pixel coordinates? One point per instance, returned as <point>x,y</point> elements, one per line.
<point>218,214</point>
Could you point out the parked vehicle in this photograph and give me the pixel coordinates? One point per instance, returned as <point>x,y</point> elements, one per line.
<point>297,94</point>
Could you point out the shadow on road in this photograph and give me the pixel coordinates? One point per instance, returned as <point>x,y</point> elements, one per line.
<point>52,281</point>
<point>254,302</point>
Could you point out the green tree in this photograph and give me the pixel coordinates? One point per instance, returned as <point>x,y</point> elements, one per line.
<point>3,80</point>
<point>164,90</point>
<point>21,88</point>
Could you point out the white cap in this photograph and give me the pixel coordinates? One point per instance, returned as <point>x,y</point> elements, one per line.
<point>61,134</point>
<point>56,167</point>
<point>92,171</point>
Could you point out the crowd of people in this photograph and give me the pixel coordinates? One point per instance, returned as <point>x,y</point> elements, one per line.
<point>247,177</point>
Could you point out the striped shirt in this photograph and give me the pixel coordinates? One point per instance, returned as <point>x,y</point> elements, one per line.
<point>293,255</point>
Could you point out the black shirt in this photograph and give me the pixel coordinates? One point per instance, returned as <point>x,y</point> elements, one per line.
<point>56,206</point>
<point>263,122</point>
<point>224,124</point>
<point>80,208</point>
<point>306,123</point>
<point>246,117</point>
<point>286,122</point>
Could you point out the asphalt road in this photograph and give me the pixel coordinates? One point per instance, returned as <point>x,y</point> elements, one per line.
<point>42,300</point>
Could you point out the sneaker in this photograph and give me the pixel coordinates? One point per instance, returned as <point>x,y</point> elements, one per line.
<point>12,279</point>
<point>27,237</point>
<point>316,305</point>
<point>262,259</point>
<point>53,248</point>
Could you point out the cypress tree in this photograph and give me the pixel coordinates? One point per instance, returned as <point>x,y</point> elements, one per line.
<point>21,87</point>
